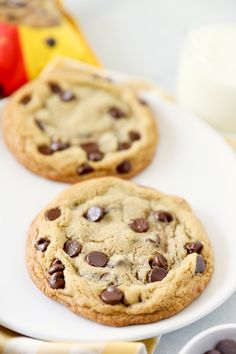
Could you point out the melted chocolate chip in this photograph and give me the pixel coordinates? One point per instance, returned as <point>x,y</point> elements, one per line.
<point>55,88</point>
<point>112,295</point>
<point>97,259</point>
<point>157,274</point>
<point>95,156</point>
<point>159,261</point>
<point>134,135</point>
<point>124,167</point>
<point>92,150</point>
<point>56,266</point>
<point>200,265</point>
<point>42,244</point>
<point>59,145</point>
<point>124,146</point>
<point>53,214</point>
<point>116,112</point>
<point>95,214</point>
<point>67,96</point>
<point>72,248</point>
<point>194,247</point>
<point>90,147</point>
<point>139,225</point>
<point>226,346</point>
<point>51,42</point>
<point>84,169</point>
<point>53,147</point>
<point>57,281</point>
<point>45,149</point>
<point>163,216</point>
<point>40,124</point>
<point>25,99</point>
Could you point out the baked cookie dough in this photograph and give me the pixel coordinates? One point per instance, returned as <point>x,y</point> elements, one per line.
<point>35,13</point>
<point>118,253</point>
<point>72,124</point>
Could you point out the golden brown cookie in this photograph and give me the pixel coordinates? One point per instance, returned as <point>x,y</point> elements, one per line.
<point>118,253</point>
<point>72,124</point>
<point>36,13</point>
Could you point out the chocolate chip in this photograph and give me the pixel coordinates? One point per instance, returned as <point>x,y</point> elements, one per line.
<point>40,124</point>
<point>134,135</point>
<point>51,42</point>
<point>94,214</point>
<point>143,102</point>
<point>116,112</point>
<point>212,352</point>
<point>45,149</point>
<point>67,96</point>
<point>56,266</point>
<point>159,261</point>
<point>59,145</point>
<point>97,259</point>
<point>139,225</point>
<point>72,248</point>
<point>194,247</point>
<point>92,150</point>
<point>163,216</point>
<point>112,295</point>
<point>226,346</point>
<point>57,281</point>
<point>157,274</point>
<point>124,167</point>
<point>53,214</point>
<point>2,93</point>
<point>90,147</point>
<point>55,88</point>
<point>84,169</point>
<point>200,265</point>
<point>25,99</point>
<point>95,156</point>
<point>42,244</point>
<point>123,146</point>
<point>54,147</point>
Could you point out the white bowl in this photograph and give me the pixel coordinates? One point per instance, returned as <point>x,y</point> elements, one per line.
<point>208,339</point>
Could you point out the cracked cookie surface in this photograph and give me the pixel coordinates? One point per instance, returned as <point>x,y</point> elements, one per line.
<point>72,125</point>
<point>119,253</point>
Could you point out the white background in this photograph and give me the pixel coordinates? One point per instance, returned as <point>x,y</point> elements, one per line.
<point>144,38</point>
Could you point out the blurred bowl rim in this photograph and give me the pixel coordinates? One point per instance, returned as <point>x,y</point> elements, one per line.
<point>197,338</point>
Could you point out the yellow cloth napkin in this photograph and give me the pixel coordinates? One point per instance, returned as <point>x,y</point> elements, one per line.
<point>13,343</point>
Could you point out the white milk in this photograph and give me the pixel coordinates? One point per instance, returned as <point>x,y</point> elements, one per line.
<point>207,75</point>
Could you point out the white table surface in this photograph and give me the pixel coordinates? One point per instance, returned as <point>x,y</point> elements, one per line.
<point>144,38</point>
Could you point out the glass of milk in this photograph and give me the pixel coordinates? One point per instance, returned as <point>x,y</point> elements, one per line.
<point>206,82</point>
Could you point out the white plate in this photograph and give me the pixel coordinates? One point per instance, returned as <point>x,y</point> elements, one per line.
<point>192,161</point>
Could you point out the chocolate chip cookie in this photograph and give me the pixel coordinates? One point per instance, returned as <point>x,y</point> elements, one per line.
<point>118,253</point>
<point>35,13</point>
<point>71,124</point>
